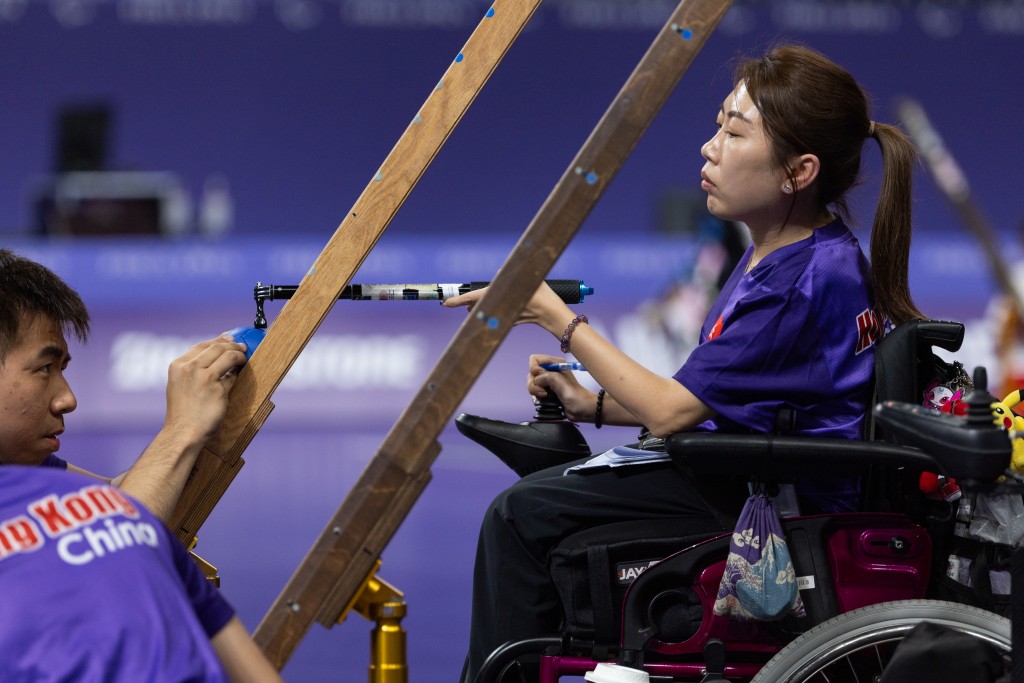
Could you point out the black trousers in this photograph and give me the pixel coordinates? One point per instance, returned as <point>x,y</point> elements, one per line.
<point>513,595</point>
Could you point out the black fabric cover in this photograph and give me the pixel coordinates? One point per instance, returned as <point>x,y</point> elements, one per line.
<point>591,570</point>
<point>931,652</point>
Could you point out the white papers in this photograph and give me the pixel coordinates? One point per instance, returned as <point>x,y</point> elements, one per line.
<point>621,456</point>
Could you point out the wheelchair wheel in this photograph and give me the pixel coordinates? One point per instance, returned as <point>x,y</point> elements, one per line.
<point>856,646</point>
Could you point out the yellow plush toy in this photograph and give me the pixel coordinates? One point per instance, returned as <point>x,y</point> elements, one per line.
<point>1003,415</point>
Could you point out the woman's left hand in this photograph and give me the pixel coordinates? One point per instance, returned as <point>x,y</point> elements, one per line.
<point>577,401</point>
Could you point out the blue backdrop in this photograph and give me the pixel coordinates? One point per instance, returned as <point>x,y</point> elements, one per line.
<point>294,104</point>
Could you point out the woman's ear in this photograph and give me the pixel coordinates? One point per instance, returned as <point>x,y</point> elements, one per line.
<point>805,170</point>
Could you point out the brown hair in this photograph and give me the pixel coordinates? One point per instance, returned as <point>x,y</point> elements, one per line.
<point>28,289</point>
<point>810,105</point>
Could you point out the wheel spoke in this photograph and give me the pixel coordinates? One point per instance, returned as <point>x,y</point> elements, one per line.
<point>849,662</point>
<point>878,655</point>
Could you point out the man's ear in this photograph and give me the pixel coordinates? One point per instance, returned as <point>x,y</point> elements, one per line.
<point>805,170</point>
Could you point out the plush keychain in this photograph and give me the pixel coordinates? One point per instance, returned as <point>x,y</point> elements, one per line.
<point>945,397</point>
<point>1003,415</point>
<point>938,396</point>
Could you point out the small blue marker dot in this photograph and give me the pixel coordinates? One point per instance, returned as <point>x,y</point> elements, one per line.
<point>492,323</point>
<point>591,178</point>
<point>490,13</point>
<point>458,58</point>
<point>686,33</point>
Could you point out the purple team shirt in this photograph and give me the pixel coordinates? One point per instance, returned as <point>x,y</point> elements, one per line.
<point>798,332</point>
<point>53,461</point>
<point>96,588</point>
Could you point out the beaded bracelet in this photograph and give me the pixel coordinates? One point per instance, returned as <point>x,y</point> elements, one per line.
<point>597,413</point>
<point>567,335</point>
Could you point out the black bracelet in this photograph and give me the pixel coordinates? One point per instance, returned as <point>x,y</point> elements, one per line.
<point>597,413</point>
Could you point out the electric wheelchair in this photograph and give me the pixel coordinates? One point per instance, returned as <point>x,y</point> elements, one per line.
<point>641,593</point>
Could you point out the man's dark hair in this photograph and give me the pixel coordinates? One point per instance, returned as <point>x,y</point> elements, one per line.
<point>28,289</point>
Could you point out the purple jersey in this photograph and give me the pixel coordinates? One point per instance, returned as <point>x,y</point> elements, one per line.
<point>796,332</point>
<point>55,462</point>
<point>96,588</point>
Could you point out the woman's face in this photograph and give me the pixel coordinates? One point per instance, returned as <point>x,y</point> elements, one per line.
<point>740,176</point>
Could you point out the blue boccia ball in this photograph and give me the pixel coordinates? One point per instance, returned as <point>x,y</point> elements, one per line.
<point>250,336</point>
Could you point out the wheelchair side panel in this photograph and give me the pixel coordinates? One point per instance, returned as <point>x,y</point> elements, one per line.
<point>878,560</point>
<point>843,562</point>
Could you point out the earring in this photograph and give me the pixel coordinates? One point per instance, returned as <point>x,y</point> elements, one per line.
<point>787,189</point>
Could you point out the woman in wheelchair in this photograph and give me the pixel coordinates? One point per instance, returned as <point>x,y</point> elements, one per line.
<point>793,328</point>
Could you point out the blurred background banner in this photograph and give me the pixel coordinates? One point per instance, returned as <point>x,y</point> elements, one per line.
<point>163,156</point>
<point>152,299</point>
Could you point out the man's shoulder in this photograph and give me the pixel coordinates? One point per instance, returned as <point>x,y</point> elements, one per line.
<point>18,481</point>
<point>54,462</point>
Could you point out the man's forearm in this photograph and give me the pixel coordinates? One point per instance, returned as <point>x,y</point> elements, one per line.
<point>158,476</point>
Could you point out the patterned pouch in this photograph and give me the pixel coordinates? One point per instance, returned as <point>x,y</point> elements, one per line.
<point>759,582</point>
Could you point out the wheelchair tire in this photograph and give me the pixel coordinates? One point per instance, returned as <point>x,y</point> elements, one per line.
<point>864,639</point>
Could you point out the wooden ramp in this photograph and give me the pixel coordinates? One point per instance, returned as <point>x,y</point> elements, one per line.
<point>345,553</point>
<point>250,403</point>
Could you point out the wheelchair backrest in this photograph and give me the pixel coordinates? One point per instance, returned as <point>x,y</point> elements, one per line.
<point>905,362</point>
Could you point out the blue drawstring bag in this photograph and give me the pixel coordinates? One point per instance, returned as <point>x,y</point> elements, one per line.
<point>759,582</point>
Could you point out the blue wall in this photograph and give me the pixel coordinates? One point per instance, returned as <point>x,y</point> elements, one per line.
<point>298,114</point>
<point>298,120</point>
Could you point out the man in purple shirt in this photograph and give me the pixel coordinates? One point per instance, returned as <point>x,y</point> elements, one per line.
<point>97,589</point>
<point>37,310</point>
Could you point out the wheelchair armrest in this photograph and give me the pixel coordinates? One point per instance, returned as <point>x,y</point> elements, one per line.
<point>967,448</point>
<point>772,456</point>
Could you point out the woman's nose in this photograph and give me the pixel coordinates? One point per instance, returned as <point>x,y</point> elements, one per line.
<point>709,148</point>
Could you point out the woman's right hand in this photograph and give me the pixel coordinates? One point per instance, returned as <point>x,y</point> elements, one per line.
<point>544,308</point>
<point>578,402</point>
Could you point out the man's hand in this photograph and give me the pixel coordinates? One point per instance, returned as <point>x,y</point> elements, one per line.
<point>198,385</point>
